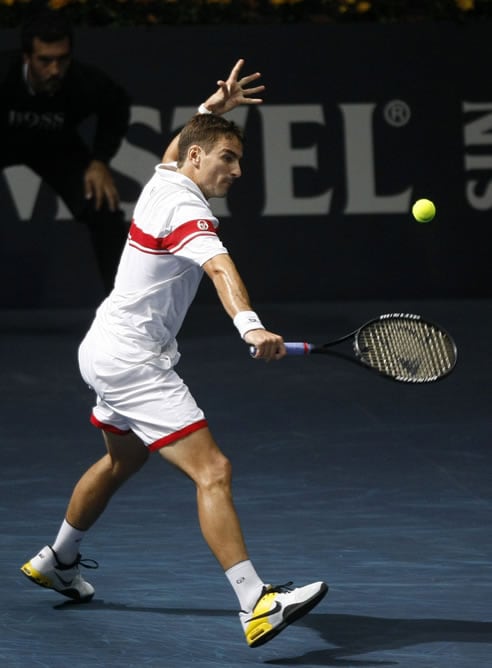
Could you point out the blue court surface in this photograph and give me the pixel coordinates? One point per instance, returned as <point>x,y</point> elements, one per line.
<point>384,490</point>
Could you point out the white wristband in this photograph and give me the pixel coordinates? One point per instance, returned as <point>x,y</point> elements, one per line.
<point>202,109</point>
<point>245,321</point>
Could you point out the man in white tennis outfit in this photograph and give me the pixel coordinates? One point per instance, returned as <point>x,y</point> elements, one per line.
<point>130,351</point>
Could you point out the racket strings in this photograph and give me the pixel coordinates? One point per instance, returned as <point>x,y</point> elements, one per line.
<point>408,350</point>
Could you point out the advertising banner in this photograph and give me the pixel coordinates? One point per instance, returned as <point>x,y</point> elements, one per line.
<point>358,122</point>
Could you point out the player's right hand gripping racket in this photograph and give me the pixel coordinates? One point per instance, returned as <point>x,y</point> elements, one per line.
<point>402,346</point>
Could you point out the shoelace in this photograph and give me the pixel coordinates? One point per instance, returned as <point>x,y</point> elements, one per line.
<point>79,561</point>
<point>272,589</point>
<point>278,588</point>
<point>87,563</point>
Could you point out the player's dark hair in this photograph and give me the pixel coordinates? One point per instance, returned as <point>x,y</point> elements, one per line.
<point>48,26</point>
<point>205,130</point>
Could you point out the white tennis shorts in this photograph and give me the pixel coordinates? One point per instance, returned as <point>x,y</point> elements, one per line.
<point>144,398</point>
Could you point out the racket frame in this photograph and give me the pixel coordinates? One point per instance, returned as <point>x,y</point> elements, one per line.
<point>305,348</point>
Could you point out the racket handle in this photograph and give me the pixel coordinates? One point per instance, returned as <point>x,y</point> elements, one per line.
<point>298,348</point>
<point>292,348</point>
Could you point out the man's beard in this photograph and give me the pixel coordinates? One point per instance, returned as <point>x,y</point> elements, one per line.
<point>50,86</point>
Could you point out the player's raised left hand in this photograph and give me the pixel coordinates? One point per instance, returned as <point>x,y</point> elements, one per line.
<point>234,91</point>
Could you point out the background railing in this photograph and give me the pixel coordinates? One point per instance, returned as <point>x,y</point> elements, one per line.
<point>179,12</point>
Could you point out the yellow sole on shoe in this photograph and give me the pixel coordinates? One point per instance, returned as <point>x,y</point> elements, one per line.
<point>36,576</point>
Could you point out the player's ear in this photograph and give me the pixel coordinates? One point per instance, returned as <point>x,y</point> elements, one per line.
<point>195,154</point>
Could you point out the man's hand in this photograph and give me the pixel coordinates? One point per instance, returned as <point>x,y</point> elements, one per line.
<point>229,95</point>
<point>99,185</point>
<point>269,346</point>
<point>233,92</point>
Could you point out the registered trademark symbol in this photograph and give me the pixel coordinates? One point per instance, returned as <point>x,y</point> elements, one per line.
<point>397,113</point>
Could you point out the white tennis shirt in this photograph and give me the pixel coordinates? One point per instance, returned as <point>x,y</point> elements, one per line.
<point>173,233</point>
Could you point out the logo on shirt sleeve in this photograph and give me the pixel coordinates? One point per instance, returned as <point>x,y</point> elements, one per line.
<point>203,224</point>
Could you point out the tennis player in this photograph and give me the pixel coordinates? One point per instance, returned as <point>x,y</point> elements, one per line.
<point>129,356</point>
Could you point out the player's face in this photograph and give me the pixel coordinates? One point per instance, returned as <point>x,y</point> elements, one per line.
<point>220,167</point>
<point>48,64</point>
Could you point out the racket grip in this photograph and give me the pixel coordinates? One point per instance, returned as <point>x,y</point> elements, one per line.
<point>292,348</point>
<point>298,348</point>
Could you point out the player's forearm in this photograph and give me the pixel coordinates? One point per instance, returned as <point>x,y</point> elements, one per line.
<point>229,285</point>
<point>171,153</point>
<point>234,297</point>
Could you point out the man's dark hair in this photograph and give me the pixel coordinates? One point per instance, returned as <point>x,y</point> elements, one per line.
<point>205,130</point>
<point>48,26</point>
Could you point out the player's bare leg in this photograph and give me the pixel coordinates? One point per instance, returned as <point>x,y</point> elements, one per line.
<point>199,457</point>
<point>57,567</point>
<point>265,610</point>
<point>126,455</point>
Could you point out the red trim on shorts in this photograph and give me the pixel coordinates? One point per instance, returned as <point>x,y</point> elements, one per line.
<point>108,427</point>
<point>176,435</point>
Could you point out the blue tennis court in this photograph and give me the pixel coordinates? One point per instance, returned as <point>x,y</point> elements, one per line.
<point>381,489</point>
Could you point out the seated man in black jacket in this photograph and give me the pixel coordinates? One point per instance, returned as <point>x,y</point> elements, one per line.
<point>44,97</point>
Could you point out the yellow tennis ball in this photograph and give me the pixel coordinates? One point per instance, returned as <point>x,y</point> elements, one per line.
<point>423,210</point>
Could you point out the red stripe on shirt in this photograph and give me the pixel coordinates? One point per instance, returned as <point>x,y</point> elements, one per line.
<point>173,241</point>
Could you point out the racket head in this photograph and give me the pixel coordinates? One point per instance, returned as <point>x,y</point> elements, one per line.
<point>406,348</point>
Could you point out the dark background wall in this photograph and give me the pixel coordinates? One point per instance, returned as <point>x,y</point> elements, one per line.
<point>358,122</point>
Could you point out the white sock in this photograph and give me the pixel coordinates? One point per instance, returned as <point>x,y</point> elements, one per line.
<point>67,543</point>
<point>246,583</point>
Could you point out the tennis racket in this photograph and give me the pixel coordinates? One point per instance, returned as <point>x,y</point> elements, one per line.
<point>402,346</point>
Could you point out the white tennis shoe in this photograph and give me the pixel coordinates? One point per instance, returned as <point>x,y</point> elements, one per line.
<point>278,607</point>
<point>45,570</point>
